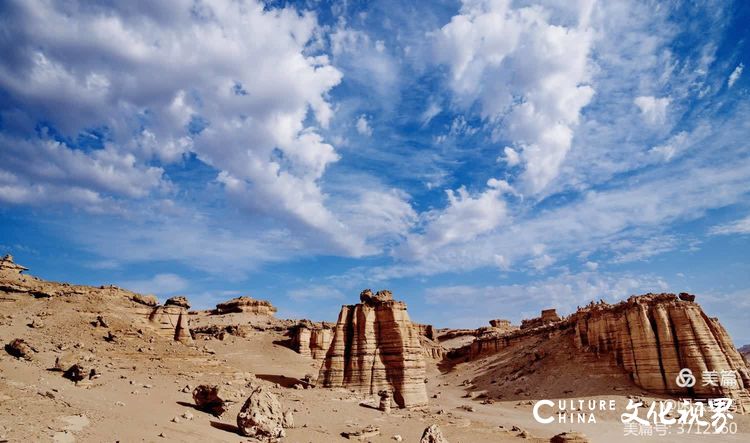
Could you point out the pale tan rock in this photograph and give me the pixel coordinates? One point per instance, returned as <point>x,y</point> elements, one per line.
<point>262,417</point>
<point>311,339</point>
<point>432,434</point>
<point>172,321</point>
<point>148,300</point>
<point>375,347</point>
<point>178,301</point>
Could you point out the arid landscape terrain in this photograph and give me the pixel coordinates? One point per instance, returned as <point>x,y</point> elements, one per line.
<point>106,364</point>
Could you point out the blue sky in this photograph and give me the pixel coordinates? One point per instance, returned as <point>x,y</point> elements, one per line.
<point>482,159</point>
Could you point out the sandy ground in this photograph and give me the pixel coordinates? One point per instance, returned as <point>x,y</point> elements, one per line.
<point>143,375</point>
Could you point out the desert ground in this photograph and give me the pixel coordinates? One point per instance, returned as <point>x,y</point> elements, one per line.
<point>142,391</point>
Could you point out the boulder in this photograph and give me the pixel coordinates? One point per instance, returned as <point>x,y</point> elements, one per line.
<point>262,418</point>
<point>148,300</point>
<point>376,347</point>
<point>212,399</point>
<point>432,434</point>
<point>20,349</point>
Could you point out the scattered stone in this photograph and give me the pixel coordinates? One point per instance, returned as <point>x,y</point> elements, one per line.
<point>397,437</point>
<point>79,372</point>
<point>36,324</point>
<point>432,434</point>
<point>211,398</point>
<point>187,415</point>
<point>20,349</point>
<point>362,434</point>
<point>261,416</point>
<point>175,419</point>
<point>100,322</point>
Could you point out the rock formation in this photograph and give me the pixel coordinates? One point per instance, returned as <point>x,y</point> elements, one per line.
<point>171,319</point>
<point>8,265</point>
<point>376,347</point>
<point>651,337</point>
<point>262,418</point>
<point>654,336</point>
<point>247,305</point>
<point>311,339</point>
<point>547,316</point>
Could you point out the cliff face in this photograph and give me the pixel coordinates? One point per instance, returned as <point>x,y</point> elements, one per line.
<point>375,347</point>
<point>312,339</point>
<point>652,337</point>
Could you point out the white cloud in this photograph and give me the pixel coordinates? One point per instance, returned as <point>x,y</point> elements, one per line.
<point>511,156</point>
<point>363,126</point>
<point>159,284</point>
<point>232,82</point>
<point>741,226</point>
<point>432,110</point>
<point>315,293</point>
<point>735,75</point>
<point>528,69</point>
<point>653,110</point>
<point>474,305</point>
<point>592,266</point>
<point>465,218</point>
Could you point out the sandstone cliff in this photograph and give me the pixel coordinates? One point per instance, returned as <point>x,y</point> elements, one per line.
<point>171,319</point>
<point>376,347</point>
<point>311,339</point>
<point>651,337</point>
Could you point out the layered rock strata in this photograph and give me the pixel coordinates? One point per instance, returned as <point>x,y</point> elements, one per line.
<point>245,305</point>
<point>171,320</point>
<point>375,347</point>
<point>651,337</point>
<point>312,339</point>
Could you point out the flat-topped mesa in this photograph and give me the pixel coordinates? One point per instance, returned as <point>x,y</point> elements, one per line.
<point>245,305</point>
<point>311,339</point>
<point>171,319</point>
<point>7,264</point>
<point>376,347</point>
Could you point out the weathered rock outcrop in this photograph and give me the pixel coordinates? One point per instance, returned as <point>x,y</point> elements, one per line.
<point>547,316</point>
<point>311,339</point>
<point>246,305</point>
<point>375,346</point>
<point>20,349</point>
<point>569,437</point>
<point>651,337</point>
<point>654,336</point>
<point>7,264</point>
<point>171,320</point>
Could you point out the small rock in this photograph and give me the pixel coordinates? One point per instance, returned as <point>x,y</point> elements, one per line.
<point>397,438</point>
